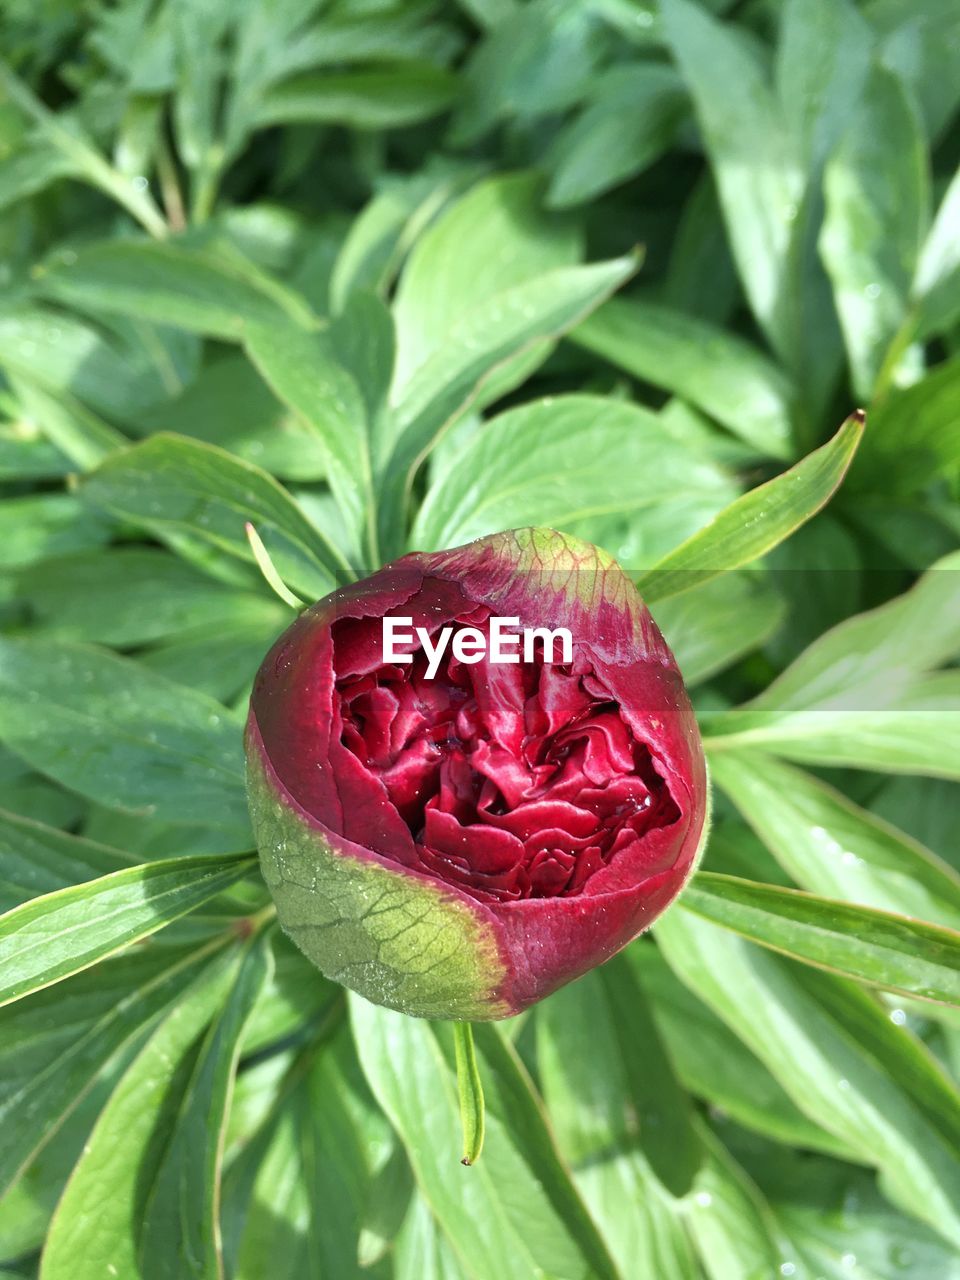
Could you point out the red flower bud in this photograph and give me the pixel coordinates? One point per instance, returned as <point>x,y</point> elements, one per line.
<point>455,836</point>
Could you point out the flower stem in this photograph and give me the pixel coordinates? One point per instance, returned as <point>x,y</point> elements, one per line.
<point>471,1092</point>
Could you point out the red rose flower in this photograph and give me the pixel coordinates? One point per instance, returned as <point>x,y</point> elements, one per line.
<point>457,838</point>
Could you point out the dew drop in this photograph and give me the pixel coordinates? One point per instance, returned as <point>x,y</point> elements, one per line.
<point>898,1016</point>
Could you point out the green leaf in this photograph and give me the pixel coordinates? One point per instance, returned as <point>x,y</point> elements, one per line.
<point>26,173</point>
<point>229,405</point>
<point>451,380</point>
<point>733,1228</point>
<point>914,437</point>
<point>54,936</point>
<point>421,1251</point>
<point>125,1150</point>
<point>831,846</point>
<point>37,859</point>
<point>130,596</point>
<point>56,1042</point>
<point>46,524</point>
<point>720,1069</point>
<point>496,237</point>
<point>839,1057</point>
<point>513,1098</point>
<point>633,116</point>
<point>878,947</point>
<point>861,694</point>
<point>711,626</point>
<point>822,61</point>
<point>495,1214</point>
<point>117,374</point>
<point>115,732</point>
<point>667,1137</point>
<point>312,1187</point>
<point>79,153</point>
<point>718,372</point>
<point>549,463</point>
<point>303,371</point>
<point>601,1127</point>
<point>180,1232</point>
<point>754,157</point>
<point>170,484</point>
<point>877,197</point>
<point>758,521</point>
<point>936,285</point>
<point>199,290</point>
<point>387,99</point>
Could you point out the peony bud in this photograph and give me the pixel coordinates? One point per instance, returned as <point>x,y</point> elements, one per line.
<point>460,845</point>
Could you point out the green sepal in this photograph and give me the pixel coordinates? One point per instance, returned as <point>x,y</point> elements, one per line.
<point>392,936</point>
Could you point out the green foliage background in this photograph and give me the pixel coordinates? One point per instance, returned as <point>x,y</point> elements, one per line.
<point>344,270</point>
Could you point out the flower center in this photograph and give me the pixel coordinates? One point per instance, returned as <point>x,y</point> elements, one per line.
<point>515,780</point>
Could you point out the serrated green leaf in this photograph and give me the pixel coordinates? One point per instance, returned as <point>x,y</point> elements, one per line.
<point>758,521</point>
<point>49,938</point>
<point>721,374</point>
<point>175,485</point>
<point>891,951</point>
<point>113,731</point>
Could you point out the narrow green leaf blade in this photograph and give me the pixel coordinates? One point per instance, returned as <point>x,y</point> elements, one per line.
<point>97,1221</point>
<point>50,938</point>
<point>878,947</point>
<point>877,209</point>
<point>831,846</point>
<point>757,522</point>
<point>836,1053</point>
<point>36,859</point>
<point>180,1232</point>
